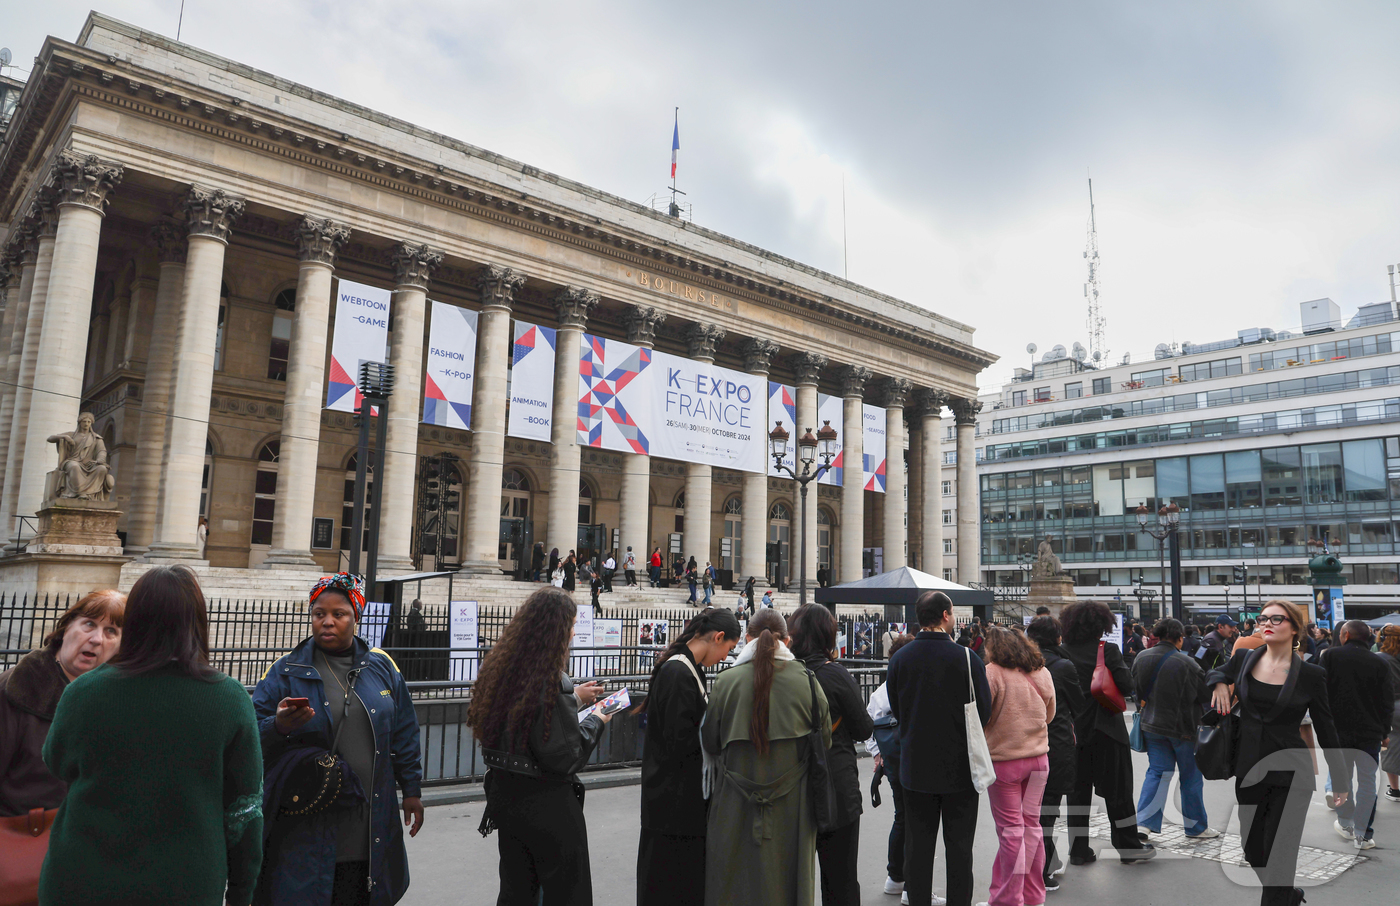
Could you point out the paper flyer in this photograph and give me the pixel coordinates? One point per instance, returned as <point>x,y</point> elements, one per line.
<point>615,702</point>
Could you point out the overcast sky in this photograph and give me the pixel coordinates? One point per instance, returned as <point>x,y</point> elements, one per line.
<point>1244,154</point>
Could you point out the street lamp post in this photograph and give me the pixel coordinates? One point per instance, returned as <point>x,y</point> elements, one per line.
<point>809,449</point>
<point>376,384</point>
<point>1168,518</point>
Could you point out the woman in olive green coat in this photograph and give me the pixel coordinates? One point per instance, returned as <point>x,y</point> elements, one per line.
<point>761,837</point>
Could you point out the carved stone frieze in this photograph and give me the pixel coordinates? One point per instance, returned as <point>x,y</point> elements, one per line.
<point>497,285</point>
<point>85,179</point>
<point>414,264</point>
<point>700,340</point>
<point>574,305</point>
<point>319,239</point>
<point>808,366</point>
<point>758,355</point>
<point>211,212</point>
<point>854,379</point>
<point>641,322</point>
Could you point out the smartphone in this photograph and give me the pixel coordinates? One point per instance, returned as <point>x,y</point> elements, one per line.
<point>298,702</point>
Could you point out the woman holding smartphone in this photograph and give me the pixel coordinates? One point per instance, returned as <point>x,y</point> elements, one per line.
<point>525,715</point>
<point>671,852</point>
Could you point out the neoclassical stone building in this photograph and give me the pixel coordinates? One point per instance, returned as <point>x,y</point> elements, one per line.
<point>174,226</point>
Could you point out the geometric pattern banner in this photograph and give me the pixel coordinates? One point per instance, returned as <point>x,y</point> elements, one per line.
<point>531,382</point>
<point>609,391</point>
<point>782,407</point>
<point>874,467</point>
<point>361,335</point>
<point>450,366</point>
<point>832,409</point>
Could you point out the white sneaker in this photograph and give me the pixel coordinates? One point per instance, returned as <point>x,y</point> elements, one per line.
<point>1366,844</point>
<point>893,887</point>
<point>934,900</point>
<point>1209,833</point>
<point>1059,872</point>
<point>1345,833</point>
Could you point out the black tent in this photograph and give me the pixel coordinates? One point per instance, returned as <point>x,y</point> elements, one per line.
<point>898,589</point>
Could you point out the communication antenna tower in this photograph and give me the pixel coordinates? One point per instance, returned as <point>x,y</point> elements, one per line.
<point>1098,345</point>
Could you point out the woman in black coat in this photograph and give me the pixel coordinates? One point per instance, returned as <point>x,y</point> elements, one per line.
<point>671,850</point>
<point>570,568</point>
<point>1103,761</point>
<point>813,629</point>
<point>1069,700</point>
<point>1273,766</point>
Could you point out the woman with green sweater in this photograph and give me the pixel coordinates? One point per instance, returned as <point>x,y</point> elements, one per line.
<point>163,765</point>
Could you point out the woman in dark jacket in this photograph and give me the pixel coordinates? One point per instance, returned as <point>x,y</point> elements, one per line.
<point>1069,701</point>
<point>353,852</point>
<point>1103,761</point>
<point>570,568</point>
<point>813,629</point>
<point>692,576</point>
<point>1273,767</point>
<point>525,715</point>
<point>671,851</point>
<point>85,637</point>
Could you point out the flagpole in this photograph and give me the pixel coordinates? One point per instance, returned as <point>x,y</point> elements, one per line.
<point>845,262</point>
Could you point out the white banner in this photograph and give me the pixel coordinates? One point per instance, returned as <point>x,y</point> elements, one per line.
<point>707,414</point>
<point>451,362</point>
<point>832,409</point>
<point>465,640</point>
<point>613,400</point>
<point>373,622</point>
<point>361,335</point>
<point>875,449</point>
<point>581,662</point>
<point>531,382</point>
<point>608,634</point>
<point>782,407</point>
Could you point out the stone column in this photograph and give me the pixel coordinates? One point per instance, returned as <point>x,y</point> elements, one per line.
<point>84,184</point>
<point>497,285</point>
<point>21,257</point>
<point>896,506</point>
<point>318,241</point>
<point>210,214</point>
<point>634,519</point>
<point>969,514</point>
<point>930,404</point>
<point>700,341</point>
<point>853,380</point>
<point>574,305</point>
<point>913,430</point>
<point>758,359</point>
<point>808,366</point>
<point>144,505</point>
<point>45,216</point>
<point>413,266</point>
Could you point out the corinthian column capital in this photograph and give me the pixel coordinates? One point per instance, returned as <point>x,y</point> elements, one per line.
<point>930,401</point>
<point>211,212</point>
<point>853,380</point>
<point>574,304</point>
<point>965,410</point>
<point>758,355</point>
<point>701,339</point>
<point>641,322</point>
<point>808,366</point>
<point>85,179</point>
<point>319,239</point>
<point>414,264</point>
<point>43,212</point>
<point>171,245</point>
<point>896,392</point>
<point>497,286</point>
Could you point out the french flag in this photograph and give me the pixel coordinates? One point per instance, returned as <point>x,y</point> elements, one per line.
<point>675,142</point>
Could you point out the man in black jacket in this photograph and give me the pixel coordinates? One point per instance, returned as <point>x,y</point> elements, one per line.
<point>1360,692</point>
<point>1069,699</point>
<point>925,680</point>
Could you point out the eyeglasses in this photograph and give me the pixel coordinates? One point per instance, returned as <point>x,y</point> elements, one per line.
<point>1276,619</point>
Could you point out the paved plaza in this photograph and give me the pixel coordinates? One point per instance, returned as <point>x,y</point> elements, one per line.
<point>452,864</point>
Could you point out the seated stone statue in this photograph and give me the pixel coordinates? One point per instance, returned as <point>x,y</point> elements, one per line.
<point>1046,563</point>
<point>82,463</point>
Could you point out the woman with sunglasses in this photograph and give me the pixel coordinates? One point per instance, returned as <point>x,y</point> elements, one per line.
<point>1273,769</point>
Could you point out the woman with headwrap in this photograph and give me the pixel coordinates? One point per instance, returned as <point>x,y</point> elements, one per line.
<point>335,693</point>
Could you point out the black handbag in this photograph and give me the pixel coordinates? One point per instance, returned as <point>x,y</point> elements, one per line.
<point>317,781</point>
<point>1217,744</point>
<point>819,786</point>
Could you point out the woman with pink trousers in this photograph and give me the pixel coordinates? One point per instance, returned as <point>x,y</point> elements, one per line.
<point>1023,702</point>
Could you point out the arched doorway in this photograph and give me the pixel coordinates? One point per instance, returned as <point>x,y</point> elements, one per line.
<point>779,557</point>
<point>731,545</point>
<point>590,540</point>
<point>824,546</point>
<point>264,492</point>
<point>515,538</point>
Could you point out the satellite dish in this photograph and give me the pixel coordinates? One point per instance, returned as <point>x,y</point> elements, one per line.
<point>1058,352</point>
<point>1097,355</point>
<point>1163,351</point>
<point>5,56</point>
<point>1079,352</point>
<point>1030,348</point>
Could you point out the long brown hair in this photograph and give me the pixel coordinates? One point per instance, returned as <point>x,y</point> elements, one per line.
<point>708,621</point>
<point>767,629</point>
<point>166,626</point>
<point>520,674</point>
<point>1011,649</point>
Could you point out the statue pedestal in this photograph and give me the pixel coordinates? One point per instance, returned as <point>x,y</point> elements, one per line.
<point>75,551</point>
<point>1053,592</point>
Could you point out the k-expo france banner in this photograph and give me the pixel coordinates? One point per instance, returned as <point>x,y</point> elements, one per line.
<point>707,414</point>
<point>782,407</point>
<point>361,335</point>
<point>833,409</point>
<point>451,363</point>
<point>531,382</point>
<point>875,449</point>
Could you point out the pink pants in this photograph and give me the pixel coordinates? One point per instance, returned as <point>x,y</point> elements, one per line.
<point>1018,873</point>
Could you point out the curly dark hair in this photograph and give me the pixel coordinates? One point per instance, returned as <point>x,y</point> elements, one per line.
<point>1009,648</point>
<point>1086,621</point>
<point>520,674</point>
